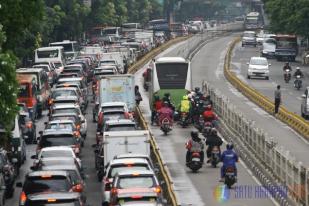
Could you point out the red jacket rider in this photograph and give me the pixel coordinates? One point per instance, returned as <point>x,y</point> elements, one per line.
<point>165,112</point>
<point>209,115</point>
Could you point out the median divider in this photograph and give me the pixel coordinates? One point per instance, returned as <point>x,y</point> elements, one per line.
<point>293,120</point>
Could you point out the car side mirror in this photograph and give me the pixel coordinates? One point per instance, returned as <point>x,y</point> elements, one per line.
<point>303,96</point>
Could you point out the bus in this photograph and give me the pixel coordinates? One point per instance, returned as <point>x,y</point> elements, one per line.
<point>49,54</point>
<point>170,75</point>
<point>286,47</point>
<point>158,25</point>
<point>70,48</point>
<point>253,21</point>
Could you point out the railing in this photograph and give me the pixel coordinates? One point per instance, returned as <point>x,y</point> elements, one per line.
<point>273,165</point>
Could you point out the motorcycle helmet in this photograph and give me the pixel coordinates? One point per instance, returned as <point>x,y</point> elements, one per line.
<point>185,97</point>
<point>208,107</point>
<point>194,134</point>
<point>165,104</point>
<point>167,94</point>
<point>297,68</point>
<point>214,131</point>
<point>196,89</point>
<point>229,146</point>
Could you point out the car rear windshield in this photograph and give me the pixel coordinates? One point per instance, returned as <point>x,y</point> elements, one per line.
<point>41,184</point>
<point>106,108</point>
<point>56,153</point>
<point>119,168</point>
<point>114,115</point>
<point>63,140</point>
<point>63,93</point>
<point>121,127</point>
<point>57,203</point>
<point>135,182</point>
<point>60,126</point>
<point>65,110</point>
<point>73,118</point>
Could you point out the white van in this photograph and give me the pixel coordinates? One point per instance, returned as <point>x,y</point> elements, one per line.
<point>49,54</point>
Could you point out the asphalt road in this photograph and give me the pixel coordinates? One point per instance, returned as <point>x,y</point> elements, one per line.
<point>203,187</point>
<point>291,99</point>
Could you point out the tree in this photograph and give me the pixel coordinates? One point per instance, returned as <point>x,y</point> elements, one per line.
<point>289,16</point>
<point>8,88</point>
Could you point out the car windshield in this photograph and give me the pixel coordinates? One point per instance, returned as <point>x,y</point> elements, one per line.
<point>56,153</point>
<point>270,41</point>
<point>128,127</point>
<point>23,90</point>
<point>119,168</point>
<point>40,184</point>
<point>58,140</point>
<point>262,62</point>
<point>136,181</point>
<point>48,54</point>
<point>65,110</point>
<point>60,126</point>
<point>59,93</point>
<point>249,35</point>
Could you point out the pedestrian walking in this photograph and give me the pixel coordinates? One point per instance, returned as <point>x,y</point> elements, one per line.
<point>277,99</point>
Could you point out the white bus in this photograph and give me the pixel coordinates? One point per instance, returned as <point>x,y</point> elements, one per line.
<point>71,48</point>
<point>170,75</point>
<point>49,54</point>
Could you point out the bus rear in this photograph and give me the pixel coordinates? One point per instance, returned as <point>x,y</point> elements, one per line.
<point>286,47</point>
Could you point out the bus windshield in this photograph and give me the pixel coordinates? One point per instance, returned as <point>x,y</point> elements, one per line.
<point>48,54</point>
<point>172,75</point>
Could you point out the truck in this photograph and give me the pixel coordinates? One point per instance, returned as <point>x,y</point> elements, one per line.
<point>286,47</point>
<point>117,56</point>
<point>253,21</point>
<point>124,142</point>
<point>117,88</point>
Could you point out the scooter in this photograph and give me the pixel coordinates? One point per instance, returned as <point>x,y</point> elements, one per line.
<point>287,75</point>
<point>195,163</point>
<point>230,177</point>
<point>184,119</point>
<point>166,126</point>
<point>215,156</point>
<point>298,82</point>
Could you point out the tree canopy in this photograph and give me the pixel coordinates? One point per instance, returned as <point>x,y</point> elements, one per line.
<point>288,16</point>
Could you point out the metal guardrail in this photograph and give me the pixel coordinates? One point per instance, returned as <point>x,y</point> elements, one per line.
<point>273,165</point>
<point>293,120</point>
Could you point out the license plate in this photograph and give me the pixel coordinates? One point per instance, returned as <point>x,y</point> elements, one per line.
<point>195,159</point>
<point>230,174</point>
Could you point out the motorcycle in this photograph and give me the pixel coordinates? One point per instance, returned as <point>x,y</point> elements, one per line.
<point>166,126</point>
<point>207,128</point>
<point>298,82</point>
<point>215,156</point>
<point>229,177</point>
<point>195,162</point>
<point>287,75</point>
<point>200,124</point>
<point>184,119</point>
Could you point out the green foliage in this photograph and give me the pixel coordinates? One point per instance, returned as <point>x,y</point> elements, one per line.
<point>289,16</point>
<point>8,88</point>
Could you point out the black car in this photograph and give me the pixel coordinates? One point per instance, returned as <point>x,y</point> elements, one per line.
<point>45,181</point>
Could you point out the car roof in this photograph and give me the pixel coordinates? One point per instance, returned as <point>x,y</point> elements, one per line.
<point>106,104</point>
<point>29,70</point>
<point>59,167</point>
<point>64,88</point>
<point>56,148</point>
<point>139,172</point>
<point>120,122</point>
<point>132,155</point>
<point>72,65</point>
<point>64,114</point>
<point>73,79</point>
<point>57,131</point>
<point>116,110</point>
<point>49,172</point>
<point>65,105</point>
<point>129,161</point>
<point>258,58</point>
<point>53,195</point>
<point>251,32</point>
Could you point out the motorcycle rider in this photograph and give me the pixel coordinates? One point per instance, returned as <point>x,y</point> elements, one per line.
<point>157,105</point>
<point>185,106</point>
<point>138,96</point>
<point>212,141</point>
<point>165,112</point>
<point>229,159</point>
<point>167,98</point>
<point>298,72</point>
<point>287,66</point>
<point>209,115</point>
<point>195,144</point>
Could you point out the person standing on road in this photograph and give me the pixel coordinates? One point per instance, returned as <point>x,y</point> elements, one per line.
<point>277,99</point>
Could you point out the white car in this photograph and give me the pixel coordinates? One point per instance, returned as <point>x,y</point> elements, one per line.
<point>248,38</point>
<point>56,151</point>
<point>268,48</point>
<point>258,67</point>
